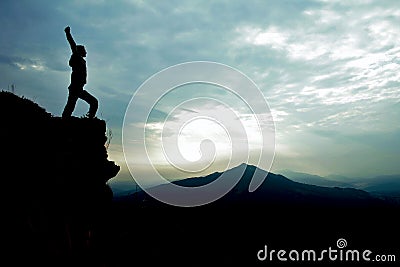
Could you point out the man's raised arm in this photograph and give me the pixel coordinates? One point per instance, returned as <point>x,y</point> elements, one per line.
<point>70,39</point>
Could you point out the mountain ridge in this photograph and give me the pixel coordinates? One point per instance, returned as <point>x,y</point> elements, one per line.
<point>280,213</point>
<point>275,190</point>
<point>388,185</point>
<point>314,179</point>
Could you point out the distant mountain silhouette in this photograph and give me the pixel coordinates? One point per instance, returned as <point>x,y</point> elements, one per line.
<point>280,213</point>
<point>275,190</point>
<point>54,173</point>
<point>382,186</point>
<point>306,178</point>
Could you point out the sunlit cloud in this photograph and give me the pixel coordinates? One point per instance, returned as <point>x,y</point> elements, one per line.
<point>188,131</point>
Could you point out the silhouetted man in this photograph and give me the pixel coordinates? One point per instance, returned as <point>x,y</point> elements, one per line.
<point>78,79</point>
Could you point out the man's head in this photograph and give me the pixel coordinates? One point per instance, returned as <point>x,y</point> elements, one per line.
<point>81,50</point>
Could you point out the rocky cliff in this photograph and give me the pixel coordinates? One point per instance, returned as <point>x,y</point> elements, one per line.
<point>54,174</point>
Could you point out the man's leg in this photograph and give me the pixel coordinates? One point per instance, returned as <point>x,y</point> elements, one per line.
<point>92,101</point>
<point>70,106</point>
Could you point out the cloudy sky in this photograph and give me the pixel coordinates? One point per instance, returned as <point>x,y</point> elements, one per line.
<point>329,69</point>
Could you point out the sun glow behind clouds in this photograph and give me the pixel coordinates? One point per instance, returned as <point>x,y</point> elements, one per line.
<point>204,128</point>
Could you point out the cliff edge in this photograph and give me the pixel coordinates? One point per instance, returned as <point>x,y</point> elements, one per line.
<point>55,174</point>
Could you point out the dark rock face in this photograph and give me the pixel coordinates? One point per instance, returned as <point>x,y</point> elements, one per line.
<point>54,174</point>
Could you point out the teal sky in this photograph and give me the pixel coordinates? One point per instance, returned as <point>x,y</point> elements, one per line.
<point>329,69</point>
